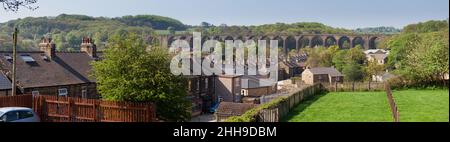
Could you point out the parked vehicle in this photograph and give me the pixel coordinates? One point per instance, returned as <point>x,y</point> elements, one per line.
<point>18,114</point>
<point>214,107</point>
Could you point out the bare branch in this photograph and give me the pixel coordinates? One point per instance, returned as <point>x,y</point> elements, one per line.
<point>14,5</point>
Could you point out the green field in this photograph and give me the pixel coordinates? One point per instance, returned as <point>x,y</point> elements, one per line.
<point>423,105</point>
<point>414,105</point>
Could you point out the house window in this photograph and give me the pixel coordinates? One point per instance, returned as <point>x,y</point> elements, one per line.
<point>35,93</point>
<point>206,83</point>
<point>190,85</point>
<point>62,92</point>
<point>237,82</point>
<point>198,85</point>
<point>84,94</point>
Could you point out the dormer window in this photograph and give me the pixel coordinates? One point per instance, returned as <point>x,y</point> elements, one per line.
<point>8,57</point>
<point>27,58</point>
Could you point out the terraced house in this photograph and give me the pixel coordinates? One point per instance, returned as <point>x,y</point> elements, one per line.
<point>51,72</point>
<point>48,72</point>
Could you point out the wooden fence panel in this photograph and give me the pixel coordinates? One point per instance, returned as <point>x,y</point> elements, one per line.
<point>283,108</point>
<point>67,109</point>
<point>354,87</point>
<point>64,109</point>
<point>17,101</point>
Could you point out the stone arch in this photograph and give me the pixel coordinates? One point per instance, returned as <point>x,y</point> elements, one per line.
<point>330,41</point>
<point>204,39</point>
<point>239,38</point>
<point>303,42</point>
<point>266,38</point>
<point>170,40</point>
<point>316,41</point>
<point>281,46</point>
<point>280,41</point>
<point>227,38</point>
<point>291,44</point>
<point>191,42</point>
<point>358,41</point>
<point>343,41</point>
<point>373,42</point>
<point>248,38</point>
<point>216,38</point>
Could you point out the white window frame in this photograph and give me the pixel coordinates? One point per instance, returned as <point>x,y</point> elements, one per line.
<point>60,93</point>
<point>84,93</point>
<point>35,93</point>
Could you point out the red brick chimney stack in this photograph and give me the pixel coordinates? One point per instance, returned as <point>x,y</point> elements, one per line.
<point>89,47</point>
<point>48,47</point>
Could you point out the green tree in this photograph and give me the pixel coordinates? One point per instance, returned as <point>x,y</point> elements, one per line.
<point>353,72</point>
<point>73,39</point>
<point>327,56</point>
<point>373,68</point>
<point>356,55</point>
<point>130,73</point>
<point>339,60</point>
<point>420,54</point>
<point>60,41</point>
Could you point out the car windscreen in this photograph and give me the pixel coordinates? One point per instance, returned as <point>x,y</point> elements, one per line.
<point>1,113</point>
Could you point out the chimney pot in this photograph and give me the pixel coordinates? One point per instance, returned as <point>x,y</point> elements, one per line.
<point>89,47</point>
<point>48,47</point>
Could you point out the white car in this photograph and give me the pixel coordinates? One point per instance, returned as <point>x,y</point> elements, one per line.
<point>18,114</point>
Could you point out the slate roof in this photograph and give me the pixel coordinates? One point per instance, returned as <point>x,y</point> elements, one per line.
<point>379,57</point>
<point>329,71</point>
<point>376,51</point>
<point>67,68</point>
<point>5,84</point>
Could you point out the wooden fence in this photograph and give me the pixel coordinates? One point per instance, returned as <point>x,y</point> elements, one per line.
<point>67,109</point>
<point>391,100</point>
<point>354,87</point>
<point>281,109</point>
<point>17,101</point>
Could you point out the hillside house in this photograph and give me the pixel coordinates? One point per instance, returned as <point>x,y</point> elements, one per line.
<point>322,75</point>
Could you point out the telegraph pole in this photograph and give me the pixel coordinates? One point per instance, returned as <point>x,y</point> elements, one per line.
<point>14,85</point>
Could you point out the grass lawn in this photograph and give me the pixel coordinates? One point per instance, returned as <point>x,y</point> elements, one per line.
<point>423,105</point>
<point>344,107</point>
<point>414,106</point>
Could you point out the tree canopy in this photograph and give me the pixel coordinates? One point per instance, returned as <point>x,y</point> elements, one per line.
<point>130,72</point>
<point>420,54</point>
<point>68,29</point>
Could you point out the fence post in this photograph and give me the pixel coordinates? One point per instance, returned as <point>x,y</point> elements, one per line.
<point>149,116</point>
<point>96,111</point>
<point>394,108</point>
<point>43,109</point>
<point>69,107</point>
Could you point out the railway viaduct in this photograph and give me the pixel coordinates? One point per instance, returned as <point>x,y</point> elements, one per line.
<point>289,42</point>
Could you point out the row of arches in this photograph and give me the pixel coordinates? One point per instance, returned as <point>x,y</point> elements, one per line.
<point>290,43</point>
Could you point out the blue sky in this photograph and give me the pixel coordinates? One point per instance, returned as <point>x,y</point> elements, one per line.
<point>336,13</point>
